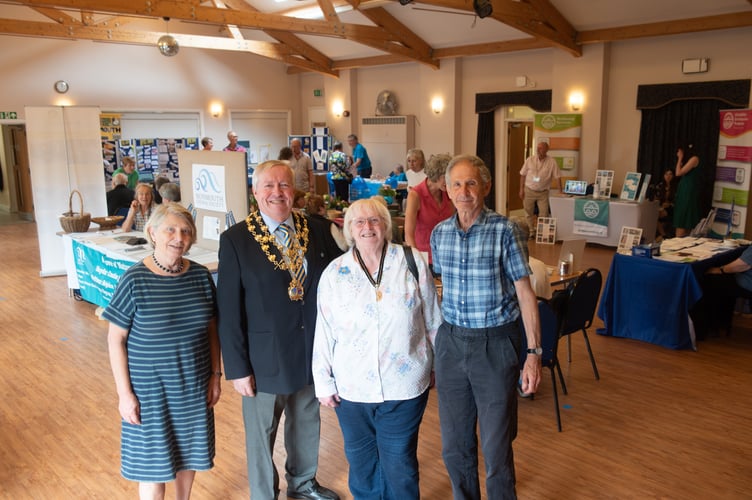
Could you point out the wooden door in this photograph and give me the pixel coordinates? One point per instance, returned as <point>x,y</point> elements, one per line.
<point>519,147</point>
<point>21,171</point>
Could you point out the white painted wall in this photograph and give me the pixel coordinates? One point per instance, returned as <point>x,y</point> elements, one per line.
<point>122,77</point>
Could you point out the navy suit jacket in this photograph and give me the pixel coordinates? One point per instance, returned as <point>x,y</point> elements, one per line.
<point>261,330</point>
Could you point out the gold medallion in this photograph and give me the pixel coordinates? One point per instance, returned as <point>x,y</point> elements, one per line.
<point>378,295</point>
<point>295,290</point>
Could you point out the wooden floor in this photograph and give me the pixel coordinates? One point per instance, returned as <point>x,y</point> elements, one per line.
<point>659,424</point>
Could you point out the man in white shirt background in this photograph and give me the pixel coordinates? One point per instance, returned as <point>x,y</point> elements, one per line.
<point>538,174</point>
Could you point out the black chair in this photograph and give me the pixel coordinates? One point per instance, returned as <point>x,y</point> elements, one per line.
<point>549,343</point>
<point>578,311</point>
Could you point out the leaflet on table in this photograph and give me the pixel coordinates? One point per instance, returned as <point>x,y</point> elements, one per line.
<point>704,248</point>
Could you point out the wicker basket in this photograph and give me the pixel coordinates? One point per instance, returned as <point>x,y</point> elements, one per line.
<point>75,222</point>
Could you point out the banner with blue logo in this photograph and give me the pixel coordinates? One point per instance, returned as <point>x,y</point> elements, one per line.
<point>97,273</point>
<point>209,187</point>
<point>591,217</point>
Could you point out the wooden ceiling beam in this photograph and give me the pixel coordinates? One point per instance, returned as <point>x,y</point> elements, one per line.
<point>269,50</point>
<point>303,50</point>
<point>709,23</point>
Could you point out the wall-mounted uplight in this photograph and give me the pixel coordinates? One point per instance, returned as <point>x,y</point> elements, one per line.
<point>338,108</point>
<point>437,105</point>
<point>215,109</point>
<point>576,99</point>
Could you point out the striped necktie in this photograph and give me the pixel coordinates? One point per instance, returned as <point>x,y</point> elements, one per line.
<point>298,271</point>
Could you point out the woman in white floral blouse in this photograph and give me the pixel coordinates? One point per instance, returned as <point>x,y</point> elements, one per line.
<point>373,353</point>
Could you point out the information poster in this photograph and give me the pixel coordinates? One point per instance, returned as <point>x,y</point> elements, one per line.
<point>97,273</point>
<point>732,172</point>
<point>562,133</point>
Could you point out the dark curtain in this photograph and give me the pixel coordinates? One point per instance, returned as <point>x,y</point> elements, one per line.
<point>485,105</point>
<point>675,114</point>
<point>486,151</point>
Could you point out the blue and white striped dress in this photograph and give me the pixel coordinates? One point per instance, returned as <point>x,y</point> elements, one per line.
<point>170,366</point>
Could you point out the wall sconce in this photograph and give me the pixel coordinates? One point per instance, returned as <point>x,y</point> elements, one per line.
<point>215,109</point>
<point>338,109</point>
<point>576,99</point>
<point>437,105</point>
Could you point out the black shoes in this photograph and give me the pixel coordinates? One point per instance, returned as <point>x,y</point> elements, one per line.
<point>314,492</point>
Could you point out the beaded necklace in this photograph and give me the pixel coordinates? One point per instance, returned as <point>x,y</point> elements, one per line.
<point>165,268</point>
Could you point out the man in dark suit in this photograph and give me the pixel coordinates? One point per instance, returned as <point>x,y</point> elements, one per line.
<point>268,275</point>
<point>120,196</point>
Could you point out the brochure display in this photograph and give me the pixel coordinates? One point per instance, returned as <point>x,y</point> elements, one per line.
<point>630,187</point>
<point>546,232</point>
<point>630,236</point>
<point>604,180</point>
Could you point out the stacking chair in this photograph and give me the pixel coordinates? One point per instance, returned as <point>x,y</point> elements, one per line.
<point>549,343</point>
<point>578,313</point>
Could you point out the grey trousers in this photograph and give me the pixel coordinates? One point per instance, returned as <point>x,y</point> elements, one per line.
<point>261,415</point>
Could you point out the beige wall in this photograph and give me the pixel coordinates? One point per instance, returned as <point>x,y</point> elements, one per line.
<point>123,77</point>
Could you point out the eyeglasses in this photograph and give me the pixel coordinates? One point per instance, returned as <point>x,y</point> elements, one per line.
<point>371,221</point>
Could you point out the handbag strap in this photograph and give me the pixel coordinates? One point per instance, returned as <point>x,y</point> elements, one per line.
<point>410,261</point>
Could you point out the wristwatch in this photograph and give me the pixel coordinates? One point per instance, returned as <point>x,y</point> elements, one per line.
<point>536,350</point>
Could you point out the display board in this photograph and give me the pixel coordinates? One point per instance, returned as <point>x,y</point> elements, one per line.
<point>732,173</point>
<point>562,132</point>
<point>65,153</point>
<point>214,187</point>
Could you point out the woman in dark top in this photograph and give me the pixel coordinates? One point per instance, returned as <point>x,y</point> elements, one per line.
<point>665,193</point>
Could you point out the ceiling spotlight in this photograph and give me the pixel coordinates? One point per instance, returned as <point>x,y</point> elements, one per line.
<point>482,8</point>
<point>405,2</point>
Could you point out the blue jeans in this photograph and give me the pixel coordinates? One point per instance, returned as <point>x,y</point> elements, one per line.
<point>381,445</point>
<point>476,377</point>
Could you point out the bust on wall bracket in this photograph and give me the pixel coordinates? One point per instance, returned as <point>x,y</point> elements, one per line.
<point>386,103</point>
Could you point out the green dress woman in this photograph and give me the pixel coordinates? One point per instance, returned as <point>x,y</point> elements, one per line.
<point>687,204</point>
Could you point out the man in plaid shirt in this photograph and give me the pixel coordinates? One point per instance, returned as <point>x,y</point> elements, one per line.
<point>483,261</point>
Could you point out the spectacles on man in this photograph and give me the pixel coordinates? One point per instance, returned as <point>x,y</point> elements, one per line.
<point>371,221</point>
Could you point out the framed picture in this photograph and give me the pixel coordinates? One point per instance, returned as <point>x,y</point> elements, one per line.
<point>546,232</point>
<point>631,185</point>
<point>630,236</point>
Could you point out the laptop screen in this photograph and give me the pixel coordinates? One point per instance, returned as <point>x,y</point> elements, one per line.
<point>575,187</point>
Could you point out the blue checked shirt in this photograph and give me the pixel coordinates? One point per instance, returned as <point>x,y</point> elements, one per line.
<point>478,269</point>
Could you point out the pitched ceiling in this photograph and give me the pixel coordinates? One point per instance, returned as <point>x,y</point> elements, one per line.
<point>327,36</point>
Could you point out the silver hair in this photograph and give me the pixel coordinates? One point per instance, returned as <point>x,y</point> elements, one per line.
<point>474,161</point>
<point>160,214</point>
<point>367,205</point>
<point>263,167</point>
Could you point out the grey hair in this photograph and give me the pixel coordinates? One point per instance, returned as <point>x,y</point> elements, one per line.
<point>119,179</point>
<point>417,153</point>
<point>160,214</point>
<point>370,205</point>
<point>474,161</point>
<point>263,167</point>
<point>436,166</point>
<point>170,191</point>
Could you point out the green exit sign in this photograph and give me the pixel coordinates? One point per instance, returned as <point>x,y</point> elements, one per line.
<point>8,115</point>
<point>317,92</point>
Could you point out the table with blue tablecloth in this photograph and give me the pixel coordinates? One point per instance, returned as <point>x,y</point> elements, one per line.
<point>94,261</point>
<point>652,299</point>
